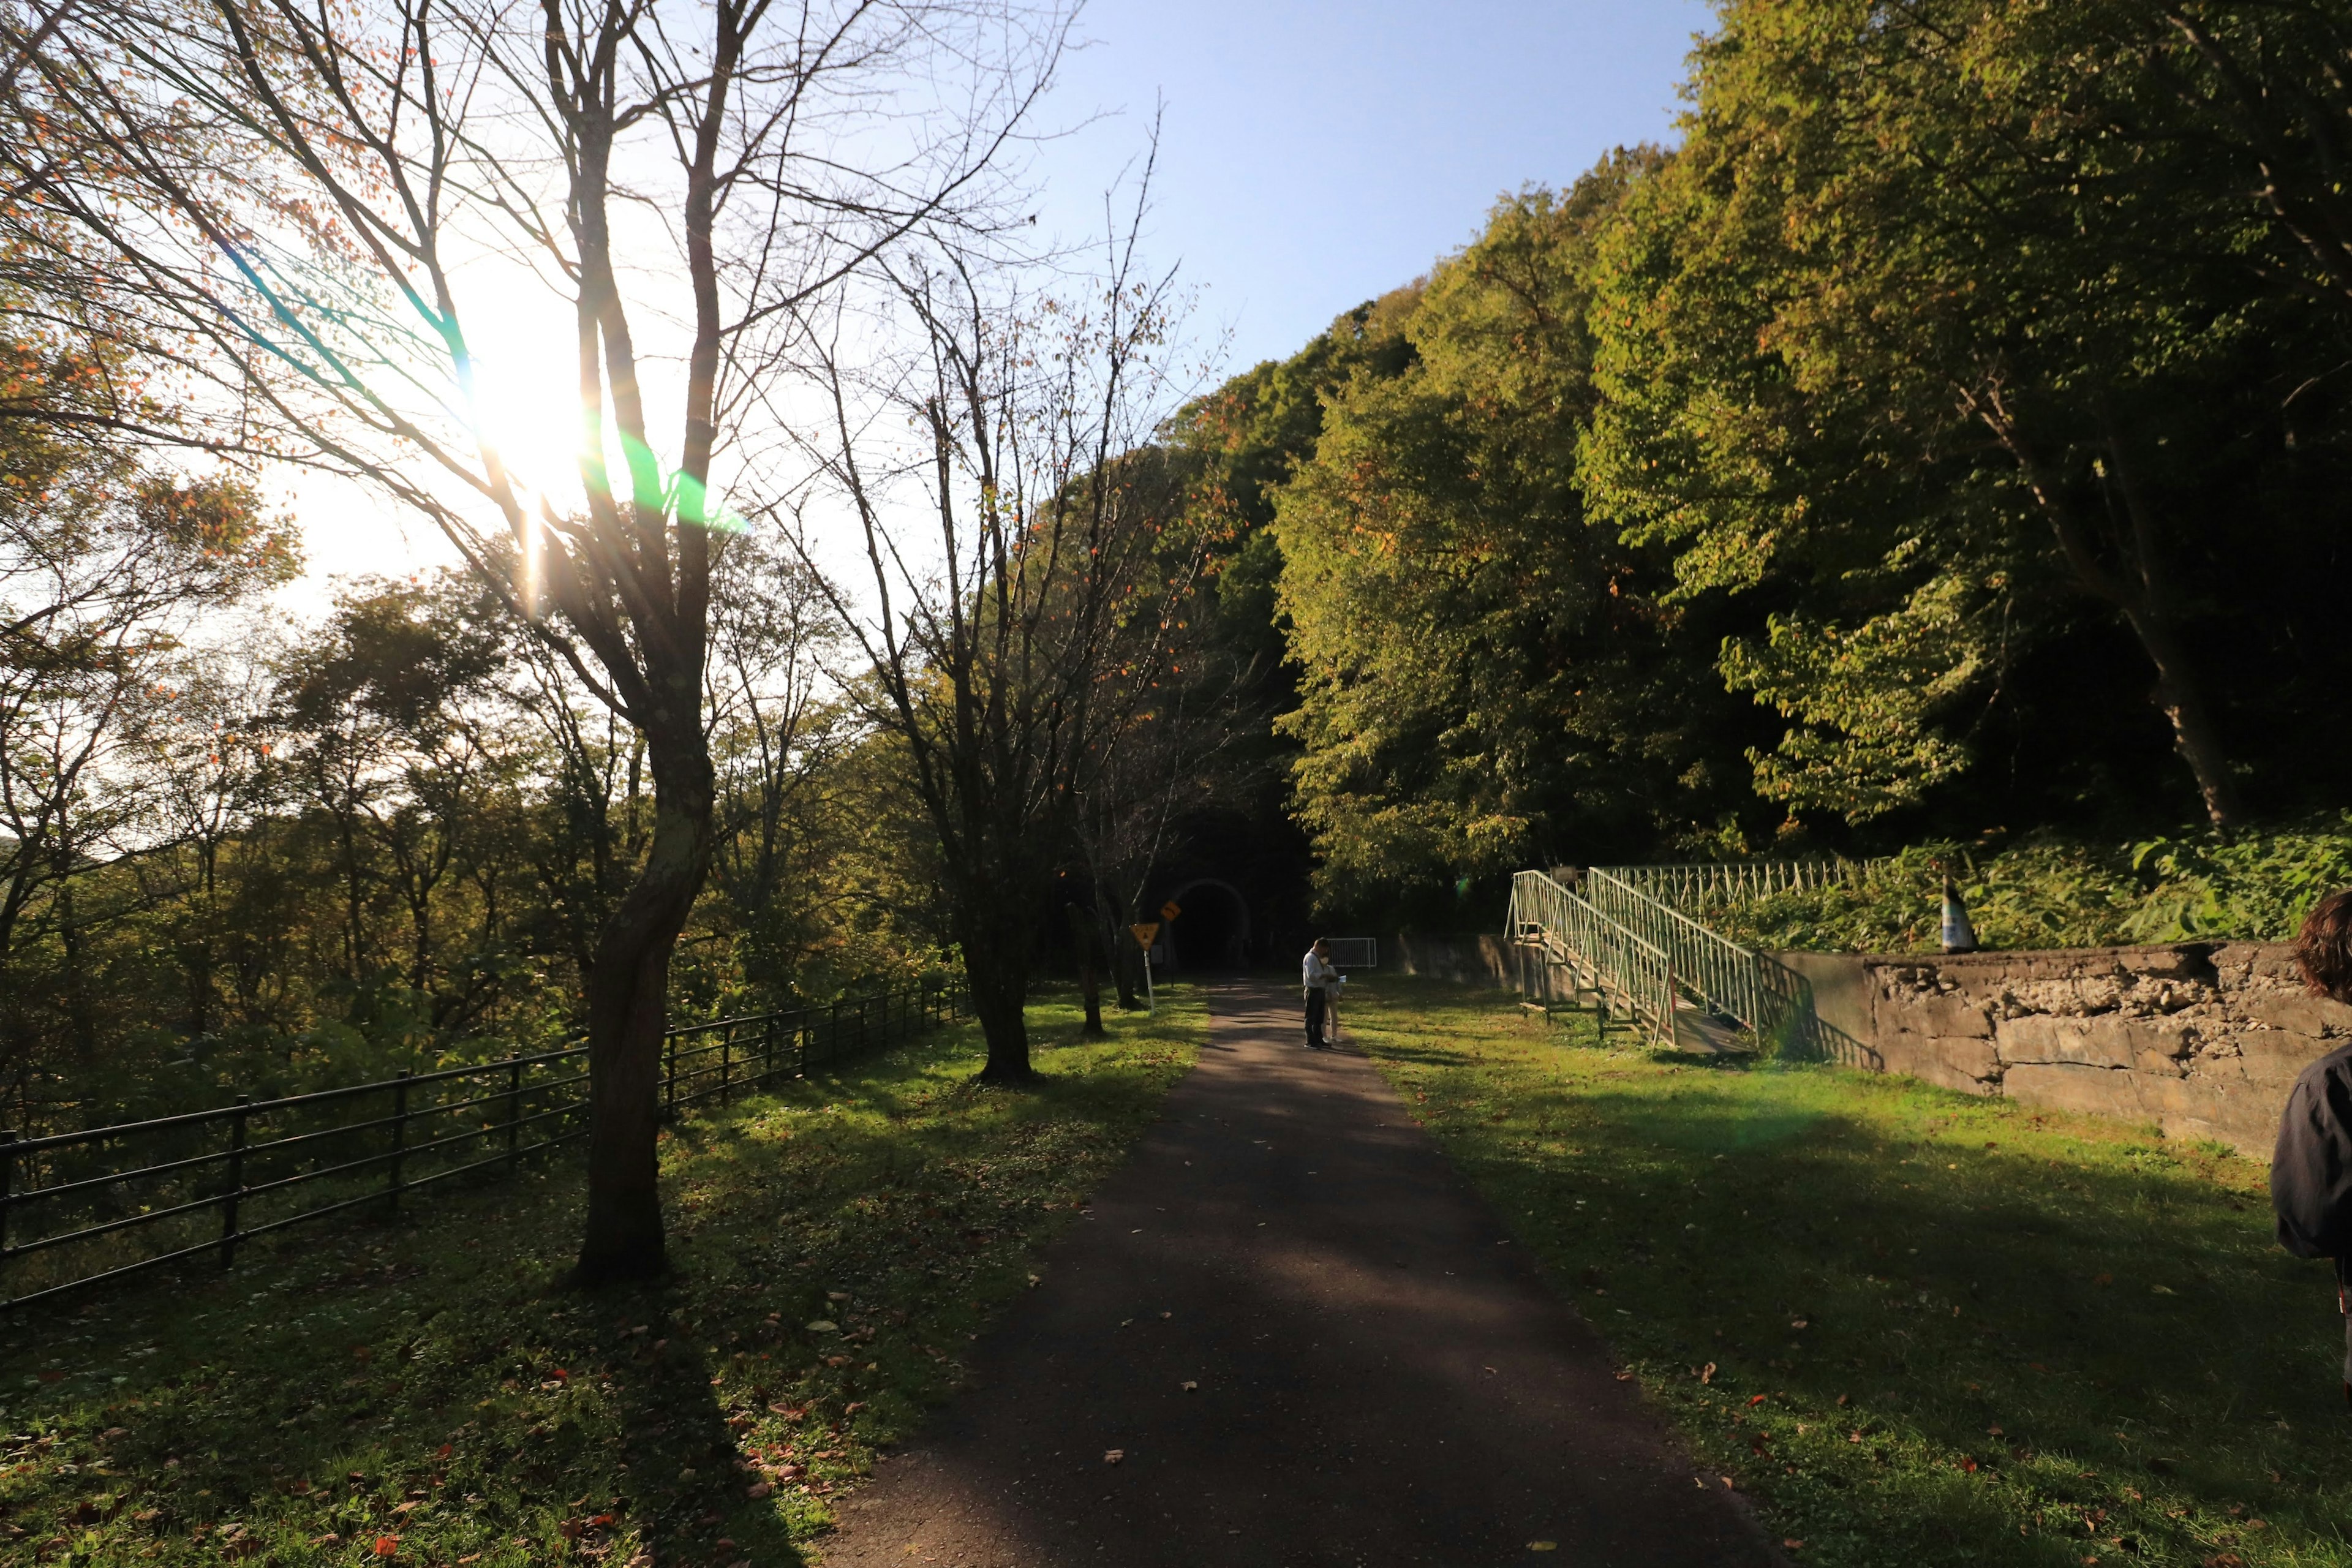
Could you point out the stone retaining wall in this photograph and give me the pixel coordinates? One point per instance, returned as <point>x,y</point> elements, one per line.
<point>2204,1039</point>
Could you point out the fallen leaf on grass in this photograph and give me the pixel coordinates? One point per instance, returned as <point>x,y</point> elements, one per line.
<point>1543,1545</point>
<point>1707,1373</point>
<point>1189,1386</point>
<point>758,1489</point>
<point>1113,1456</point>
<point>385,1545</point>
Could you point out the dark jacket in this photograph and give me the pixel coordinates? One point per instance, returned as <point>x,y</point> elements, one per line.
<point>2311,1172</point>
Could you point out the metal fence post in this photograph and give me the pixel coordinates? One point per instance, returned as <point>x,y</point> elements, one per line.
<point>514,1107</point>
<point>726,1060</point>
<point>670,1078</point>
<point>230,1199</point>
<point>399,1138</point>
<point>9,1139</point>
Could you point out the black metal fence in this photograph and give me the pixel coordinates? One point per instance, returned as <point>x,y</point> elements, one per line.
<point>83,1208</point>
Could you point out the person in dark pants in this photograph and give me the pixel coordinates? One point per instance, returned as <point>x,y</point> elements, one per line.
<point>2311,1168</point>
<point>1318,975</point>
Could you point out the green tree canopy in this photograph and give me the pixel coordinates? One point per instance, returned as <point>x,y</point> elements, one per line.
<point>1484,677</point>
<point>1949,344</point>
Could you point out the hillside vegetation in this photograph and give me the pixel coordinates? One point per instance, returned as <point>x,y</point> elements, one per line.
<point>1945,438</point>
<point>2256,887</point>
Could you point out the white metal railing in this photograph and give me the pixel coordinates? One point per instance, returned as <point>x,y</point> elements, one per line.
<point>1650,955</point>
<point>1601,954</point>
<point>1710,884</point>
<point>1354,952</point>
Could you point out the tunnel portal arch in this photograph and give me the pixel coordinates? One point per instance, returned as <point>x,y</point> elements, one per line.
<point>1212,931</point>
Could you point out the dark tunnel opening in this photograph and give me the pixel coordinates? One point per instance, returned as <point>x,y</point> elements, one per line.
<point>1212,932</point>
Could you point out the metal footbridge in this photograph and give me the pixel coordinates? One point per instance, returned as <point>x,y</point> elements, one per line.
<point>1622,939</point>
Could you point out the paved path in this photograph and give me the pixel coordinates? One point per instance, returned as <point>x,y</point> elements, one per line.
<point>1381,1380</point>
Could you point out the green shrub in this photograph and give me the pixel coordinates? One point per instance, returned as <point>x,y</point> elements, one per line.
<point>2045,893</point>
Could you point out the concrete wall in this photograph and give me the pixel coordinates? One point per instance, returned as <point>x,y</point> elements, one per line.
<point>1476,959</point>
<point>2204,1039</point>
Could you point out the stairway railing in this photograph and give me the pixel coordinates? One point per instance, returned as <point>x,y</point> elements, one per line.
<point>1636,945</point>
<point>1601,954</point>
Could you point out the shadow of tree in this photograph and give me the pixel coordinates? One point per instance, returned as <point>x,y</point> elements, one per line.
<point>426,1386</point>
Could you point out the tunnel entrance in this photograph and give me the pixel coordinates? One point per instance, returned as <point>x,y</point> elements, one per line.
<point>1212,932</point>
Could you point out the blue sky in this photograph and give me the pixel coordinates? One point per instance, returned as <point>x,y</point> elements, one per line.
<point>1314,155</point>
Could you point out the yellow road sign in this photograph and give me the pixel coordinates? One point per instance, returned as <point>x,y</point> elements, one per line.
<point>1144,934</point>
<point>1171,909</point>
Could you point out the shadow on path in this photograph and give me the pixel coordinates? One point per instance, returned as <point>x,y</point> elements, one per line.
<point>1310,1346</point>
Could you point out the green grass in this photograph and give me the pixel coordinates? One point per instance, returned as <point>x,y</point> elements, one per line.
<point>423,1391</point>
<point>1913,1327</point>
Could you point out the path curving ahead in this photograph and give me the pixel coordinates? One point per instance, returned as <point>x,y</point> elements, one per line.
<point>1381,1380</point>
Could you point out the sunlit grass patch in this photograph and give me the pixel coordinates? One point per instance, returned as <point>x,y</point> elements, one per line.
<point>1915,1327</point>
<point>422,1391</point>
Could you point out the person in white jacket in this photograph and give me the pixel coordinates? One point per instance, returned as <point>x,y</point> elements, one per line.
<point>1316,973</point>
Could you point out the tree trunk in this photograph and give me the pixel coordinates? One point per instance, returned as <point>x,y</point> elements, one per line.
<point>629,1012</point>
<point>1082,938</point>
<point>2181,699</point>
<point>997,970</point>
<point>1120,950</point>
<point>2140,591</point>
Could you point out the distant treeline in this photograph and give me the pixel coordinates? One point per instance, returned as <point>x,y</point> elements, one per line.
<point>1947,439</point>
<point>237,856</point>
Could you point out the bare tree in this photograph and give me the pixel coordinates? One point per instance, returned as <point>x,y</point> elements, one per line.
<point>772,633</point>
<point>304,196</point>
<point>1022,590</point>
<point>102,567</point>
<point>1172,761</point>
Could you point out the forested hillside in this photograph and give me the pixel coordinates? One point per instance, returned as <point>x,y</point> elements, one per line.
<point>1946,440</point>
